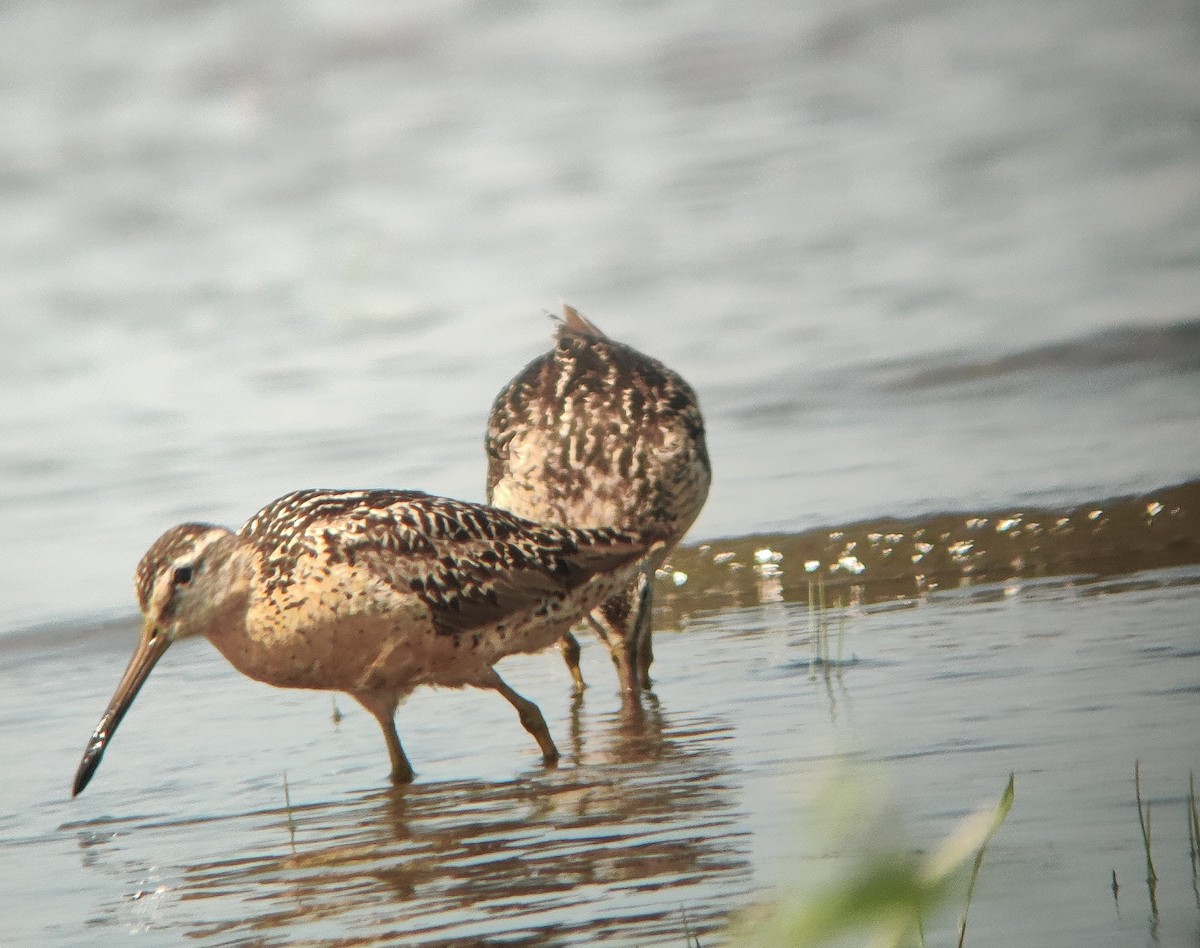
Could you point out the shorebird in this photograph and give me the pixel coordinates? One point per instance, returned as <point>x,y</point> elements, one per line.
<point>595,434</point>
<point>370,592</point>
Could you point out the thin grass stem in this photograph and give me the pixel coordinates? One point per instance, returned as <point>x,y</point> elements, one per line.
<point>1006,803</point>
<point>1194,836</point>
<point>841,642</point>
<point>814,625</point>
<point>823,624</point>
<point>693,941</point>
<point>291,823</point>
<point>1144,820</point>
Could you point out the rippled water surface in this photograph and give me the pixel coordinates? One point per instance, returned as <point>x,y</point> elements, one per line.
<point>648,829</point>
<point>915,258</point>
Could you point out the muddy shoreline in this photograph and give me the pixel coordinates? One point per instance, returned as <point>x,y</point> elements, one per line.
<point>890,558</point>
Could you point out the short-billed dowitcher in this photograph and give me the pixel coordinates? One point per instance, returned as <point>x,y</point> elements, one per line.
<point>595,434</point>
<point>373,593</point>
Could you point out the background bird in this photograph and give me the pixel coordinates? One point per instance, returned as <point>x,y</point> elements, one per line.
<point>372,593</point>
<point>596,434</point>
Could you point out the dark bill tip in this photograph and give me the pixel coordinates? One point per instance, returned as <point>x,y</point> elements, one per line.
<point>91,756</point>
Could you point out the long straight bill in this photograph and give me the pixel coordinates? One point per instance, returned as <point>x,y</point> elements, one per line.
<point>151,648</point>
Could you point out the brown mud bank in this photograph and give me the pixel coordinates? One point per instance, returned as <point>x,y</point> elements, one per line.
<point>890,558</point>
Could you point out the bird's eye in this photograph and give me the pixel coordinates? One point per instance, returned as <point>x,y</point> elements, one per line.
<point>183,575</point>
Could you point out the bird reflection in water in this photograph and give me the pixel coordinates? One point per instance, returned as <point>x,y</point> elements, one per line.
<point>640,839</point>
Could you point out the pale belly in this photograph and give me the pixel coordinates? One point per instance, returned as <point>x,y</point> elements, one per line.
<point>374,639</point>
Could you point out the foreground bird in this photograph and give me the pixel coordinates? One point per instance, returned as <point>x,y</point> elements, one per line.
<point>596,434</point>
<point>372,593</point>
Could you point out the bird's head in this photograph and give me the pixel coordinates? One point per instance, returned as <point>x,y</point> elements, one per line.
<point>176,578</point>
<point>175,581</point>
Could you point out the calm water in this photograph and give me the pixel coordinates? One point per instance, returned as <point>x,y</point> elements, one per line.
<point>187,828</point>
<point>914,256</point>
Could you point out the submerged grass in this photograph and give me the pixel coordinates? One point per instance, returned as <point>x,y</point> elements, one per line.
<point>291,823</point>
<point>1144,820</point>
<point>1192,815</point>
<point>693,940</point>
<point>819,629</point>
<point>1193,819</point>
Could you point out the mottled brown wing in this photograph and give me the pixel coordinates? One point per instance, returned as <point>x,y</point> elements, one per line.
<point>471,565</point>
<point>472,593</point>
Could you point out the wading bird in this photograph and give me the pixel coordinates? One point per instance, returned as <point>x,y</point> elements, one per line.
<point>595,434</point>
<point>373,593</point>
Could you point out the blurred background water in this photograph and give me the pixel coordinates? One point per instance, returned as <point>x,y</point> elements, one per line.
<point>913,256</point>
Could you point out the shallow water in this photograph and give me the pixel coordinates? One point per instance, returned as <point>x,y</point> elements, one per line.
<point>646,830</point>
<point>915,258</point>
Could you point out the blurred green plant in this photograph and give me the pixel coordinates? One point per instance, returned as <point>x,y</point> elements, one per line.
<point>888,892</point>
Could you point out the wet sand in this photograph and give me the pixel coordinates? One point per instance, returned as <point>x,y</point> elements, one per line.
<point>663,825</point>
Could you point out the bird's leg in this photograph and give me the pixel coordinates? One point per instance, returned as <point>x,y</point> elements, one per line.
<point>383,708</point>
<point>530,714</point>
<point>570,653</point>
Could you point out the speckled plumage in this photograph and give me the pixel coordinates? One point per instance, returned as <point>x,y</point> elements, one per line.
<point>372,593</point>
<point>596,434</point>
